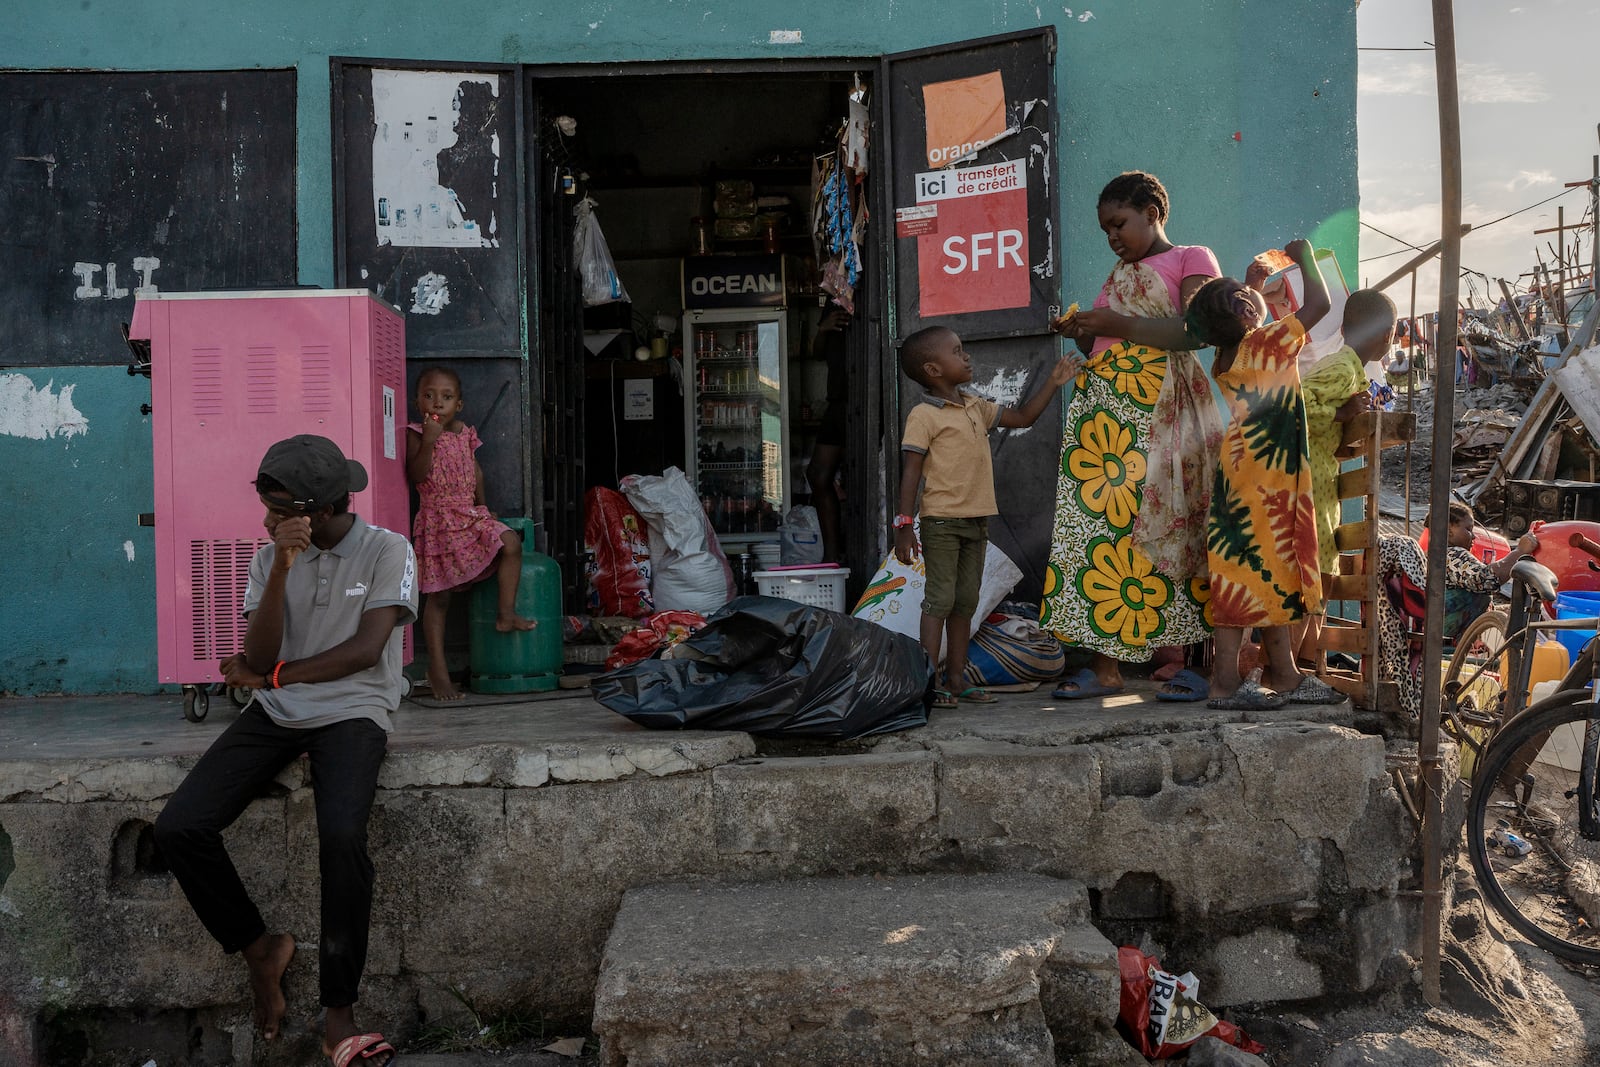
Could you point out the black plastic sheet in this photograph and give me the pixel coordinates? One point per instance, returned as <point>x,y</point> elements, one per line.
<point>774,668</point>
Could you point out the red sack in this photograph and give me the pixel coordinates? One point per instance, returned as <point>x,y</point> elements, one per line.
<point>618,544</point>
<point>1159,1014</point>
<point>662,631</point>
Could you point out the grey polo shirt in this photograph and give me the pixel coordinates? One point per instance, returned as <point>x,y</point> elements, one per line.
<point>326,593</point>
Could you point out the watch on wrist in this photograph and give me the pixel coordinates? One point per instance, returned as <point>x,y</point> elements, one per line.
<point>901,522</point>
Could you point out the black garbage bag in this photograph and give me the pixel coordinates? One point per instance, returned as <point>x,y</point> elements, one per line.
<point>777,668</point>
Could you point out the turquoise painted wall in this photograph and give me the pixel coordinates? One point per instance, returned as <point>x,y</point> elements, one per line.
<point>1161,85</point>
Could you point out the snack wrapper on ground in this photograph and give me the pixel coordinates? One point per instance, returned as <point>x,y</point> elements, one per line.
<point>1160,1014</point>
<point>663,630</point>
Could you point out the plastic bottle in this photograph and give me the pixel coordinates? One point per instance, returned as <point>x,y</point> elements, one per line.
<point>1512,844</point>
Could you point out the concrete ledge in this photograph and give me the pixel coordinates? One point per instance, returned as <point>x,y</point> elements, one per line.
<point>506,837</point>
<point>944,969</point>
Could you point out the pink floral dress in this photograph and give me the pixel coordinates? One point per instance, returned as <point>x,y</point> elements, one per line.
<point>455,540</point>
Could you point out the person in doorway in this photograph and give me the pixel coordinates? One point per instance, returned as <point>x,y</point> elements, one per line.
<point>458,540</point>
<point>823,471</point>
<point>1261,536</point>
<point>946,446</point>
<point>1127,569</point>
<point>1335,392</point>
<point>326,601</point>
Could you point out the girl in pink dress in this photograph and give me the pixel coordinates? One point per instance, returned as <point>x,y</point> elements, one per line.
<point>457,540</point>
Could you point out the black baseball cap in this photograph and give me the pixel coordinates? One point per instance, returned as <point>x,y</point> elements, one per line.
<point>314,470</point>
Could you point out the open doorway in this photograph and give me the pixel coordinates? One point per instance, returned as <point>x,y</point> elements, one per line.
<point>702,181</point>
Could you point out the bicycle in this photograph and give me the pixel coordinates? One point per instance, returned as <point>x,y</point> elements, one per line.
<point>1533,824</point>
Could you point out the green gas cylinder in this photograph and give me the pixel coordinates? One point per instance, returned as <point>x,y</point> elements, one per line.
<point>523,661</point>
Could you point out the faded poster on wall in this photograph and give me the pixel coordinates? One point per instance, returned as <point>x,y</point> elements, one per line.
<point>436,158</point>
<point>963,116</point>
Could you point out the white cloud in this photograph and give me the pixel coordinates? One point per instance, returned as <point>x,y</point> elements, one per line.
<point>1527,179</point>
<point>1477,83</point>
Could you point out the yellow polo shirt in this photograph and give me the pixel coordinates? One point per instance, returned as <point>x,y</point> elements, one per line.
<point>957,470</point>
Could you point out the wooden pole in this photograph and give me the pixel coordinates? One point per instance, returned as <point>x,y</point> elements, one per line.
<point>1511,310</point>
<point>1444,41</point>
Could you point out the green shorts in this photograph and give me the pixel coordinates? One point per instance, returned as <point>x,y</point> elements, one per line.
<point>952,557</point>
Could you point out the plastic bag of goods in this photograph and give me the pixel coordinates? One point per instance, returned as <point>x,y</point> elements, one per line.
<point>601,283</point>
<point>801,537</point>
<point>776,668</point>
<point>618,546</point>
<point>688,571</point>
<point>893,599</point>
<point>1160,1013</point>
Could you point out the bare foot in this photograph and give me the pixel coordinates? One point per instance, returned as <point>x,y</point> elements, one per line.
<point>267,958</point>
<point>441,686</point>
<point>510,623</point>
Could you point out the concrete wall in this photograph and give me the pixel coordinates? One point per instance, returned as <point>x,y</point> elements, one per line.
<point>1246,108</point>
<point>1269,858</point>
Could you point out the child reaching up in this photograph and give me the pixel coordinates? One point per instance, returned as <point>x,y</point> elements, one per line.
<point>456,538</point>
<point>946,445</point>
<point>1261,537</point>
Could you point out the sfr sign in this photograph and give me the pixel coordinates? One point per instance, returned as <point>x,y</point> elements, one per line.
<point>974,255</point>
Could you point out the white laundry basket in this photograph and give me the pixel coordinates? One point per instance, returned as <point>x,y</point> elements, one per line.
<point>819,587</point>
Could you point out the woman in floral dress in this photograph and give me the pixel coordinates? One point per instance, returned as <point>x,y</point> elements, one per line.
<point>1128,571</point>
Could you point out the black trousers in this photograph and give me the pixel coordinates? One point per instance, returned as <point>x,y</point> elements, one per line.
<point>345,757</point>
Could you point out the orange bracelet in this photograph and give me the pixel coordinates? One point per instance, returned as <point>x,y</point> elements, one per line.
<point>275,672</point>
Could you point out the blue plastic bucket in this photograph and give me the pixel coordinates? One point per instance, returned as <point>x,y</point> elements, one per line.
<point>1576,605</point>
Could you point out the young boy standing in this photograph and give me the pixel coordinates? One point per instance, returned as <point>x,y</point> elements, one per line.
<point>946,446</point>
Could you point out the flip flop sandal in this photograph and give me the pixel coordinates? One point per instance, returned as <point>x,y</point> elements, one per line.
<point>1083,685</point>
<point>1250,696</point>
<point>1315,691</point>
<point>978,695</point>
<point>942,698</point>
<point>367,1048</point>
<point>1187,686</point>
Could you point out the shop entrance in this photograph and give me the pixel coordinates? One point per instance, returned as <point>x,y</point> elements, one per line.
<point>664,144</point>
<point>702,183</point>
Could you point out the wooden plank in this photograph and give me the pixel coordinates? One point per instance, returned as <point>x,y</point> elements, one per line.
<point>1359,482</point>
<point>1353,536</point>
<point>1351,640</point>
<point>1351,685</point>
<point>1361,587</point>
<point>1397,427</point>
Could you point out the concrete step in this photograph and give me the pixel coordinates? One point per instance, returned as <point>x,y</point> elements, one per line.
<point>929,969</point>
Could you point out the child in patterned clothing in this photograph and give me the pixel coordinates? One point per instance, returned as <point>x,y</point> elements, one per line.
<point>457,539</point>
<point>1261,538</point>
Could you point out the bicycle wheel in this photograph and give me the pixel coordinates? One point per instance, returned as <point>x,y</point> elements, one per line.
<point>1551,895</point>
<point>1473,688</point>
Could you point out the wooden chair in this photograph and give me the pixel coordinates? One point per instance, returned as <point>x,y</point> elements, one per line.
<point>1365,438</point>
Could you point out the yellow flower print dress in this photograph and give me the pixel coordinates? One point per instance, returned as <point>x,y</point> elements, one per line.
<point>1101,592</point>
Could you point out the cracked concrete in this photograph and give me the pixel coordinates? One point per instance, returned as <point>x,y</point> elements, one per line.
<point>505,836</point>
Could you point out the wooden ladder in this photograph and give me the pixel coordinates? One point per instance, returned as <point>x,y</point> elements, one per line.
<point>1365,438</point>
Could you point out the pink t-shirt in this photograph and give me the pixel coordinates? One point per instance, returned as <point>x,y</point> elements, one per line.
<point>1173,266</point>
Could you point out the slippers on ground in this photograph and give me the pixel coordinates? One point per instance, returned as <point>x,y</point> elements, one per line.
<point>977,695</point>
<point>365,1048</point>
<point>1186,685</point>
<point>1250,696</point>
<point>942,698</point>
<point>1315,691</point>
<point>1083,685</point>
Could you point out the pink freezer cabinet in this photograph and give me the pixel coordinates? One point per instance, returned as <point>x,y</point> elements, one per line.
<point>230,373</point>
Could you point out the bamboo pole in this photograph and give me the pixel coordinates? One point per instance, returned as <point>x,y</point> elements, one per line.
<point>1444,40</point>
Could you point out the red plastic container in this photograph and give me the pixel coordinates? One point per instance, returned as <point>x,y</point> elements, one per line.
<point>1486,544</point>
<point>1558,552</point>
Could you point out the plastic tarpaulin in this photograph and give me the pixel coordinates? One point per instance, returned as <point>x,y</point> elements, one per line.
<point>777,668</point>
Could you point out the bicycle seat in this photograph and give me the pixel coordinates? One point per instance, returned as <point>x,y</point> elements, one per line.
<point>1539,579</point>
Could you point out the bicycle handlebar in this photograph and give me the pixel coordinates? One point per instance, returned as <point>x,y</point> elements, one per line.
<point>1584,544</point>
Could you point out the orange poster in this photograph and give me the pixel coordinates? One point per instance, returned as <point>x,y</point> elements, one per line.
<point>963,116</point>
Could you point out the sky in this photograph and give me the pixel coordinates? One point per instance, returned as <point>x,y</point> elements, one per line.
<point>1530,102</point>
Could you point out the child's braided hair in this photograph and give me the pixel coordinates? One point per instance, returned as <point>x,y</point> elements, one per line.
<point>1214,314</point>
<point>1138,190</point>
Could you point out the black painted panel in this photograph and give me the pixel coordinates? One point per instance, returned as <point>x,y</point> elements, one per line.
<point>110,180</point>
